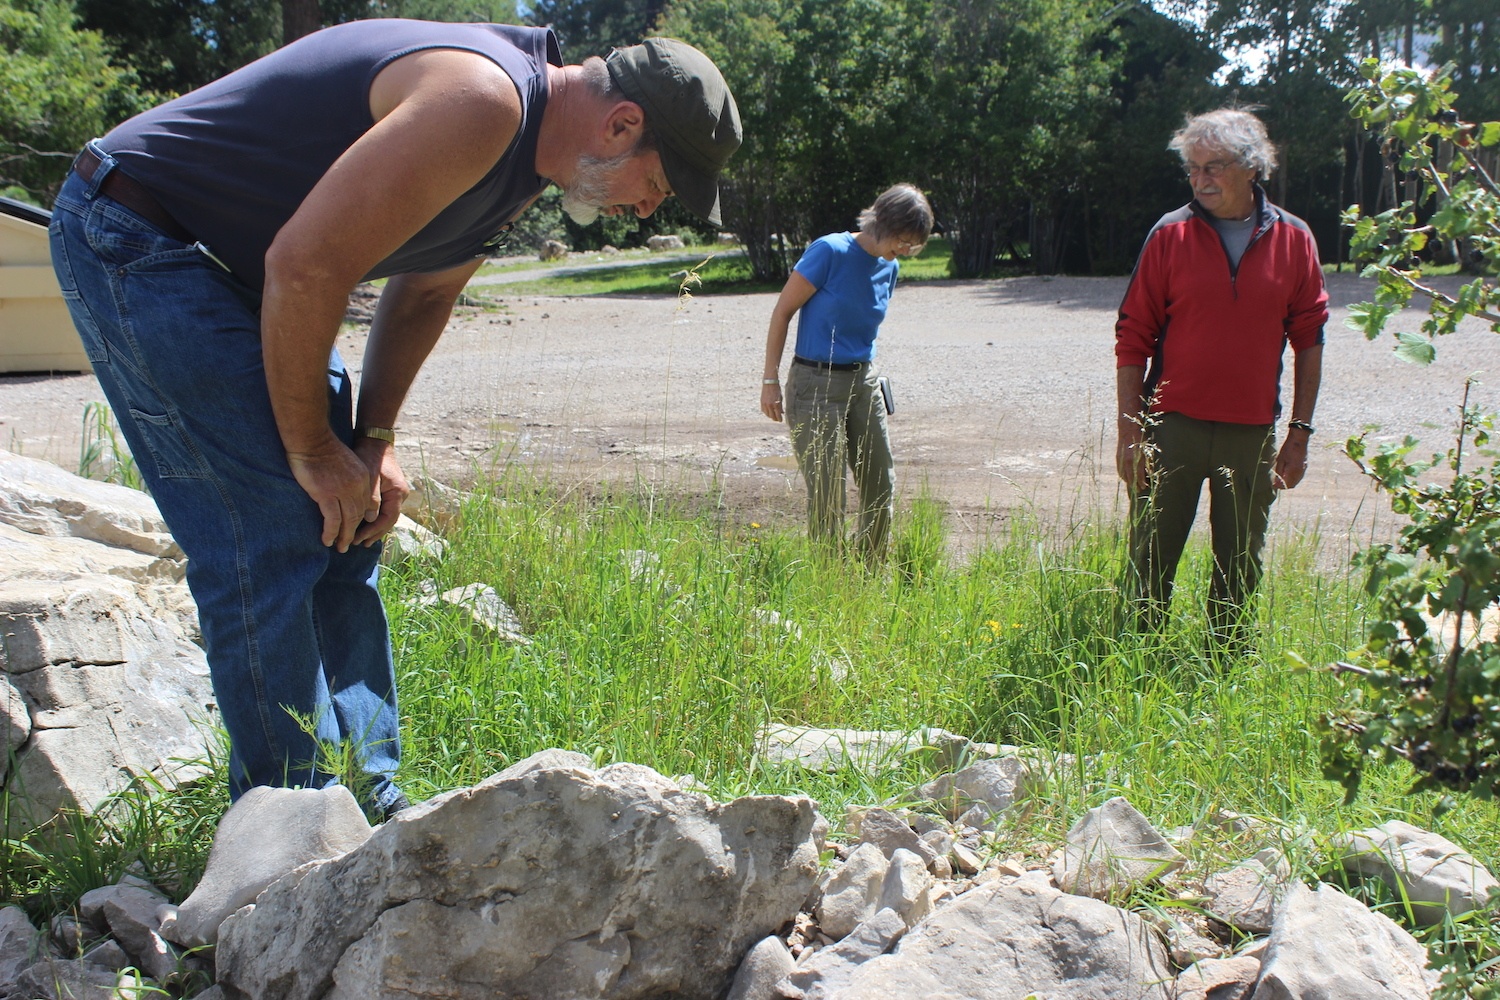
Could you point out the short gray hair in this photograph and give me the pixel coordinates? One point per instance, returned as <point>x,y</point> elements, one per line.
<point>901,210</point>
<point>1236,132</point>
<point>596,77</point>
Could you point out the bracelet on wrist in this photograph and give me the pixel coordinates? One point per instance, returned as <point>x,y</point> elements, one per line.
<point>1300,425</point>
<point>770,381</point>
<point>378,433</point>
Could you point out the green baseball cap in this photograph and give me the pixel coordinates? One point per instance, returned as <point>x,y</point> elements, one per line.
<point>689,108</point>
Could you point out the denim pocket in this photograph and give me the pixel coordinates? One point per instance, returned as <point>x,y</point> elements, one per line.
<point>170,449</point>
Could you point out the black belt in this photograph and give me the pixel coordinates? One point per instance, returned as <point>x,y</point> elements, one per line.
<point>829,366</point>
<point>130,193</point>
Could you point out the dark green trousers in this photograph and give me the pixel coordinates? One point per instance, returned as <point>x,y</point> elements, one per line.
<point>1235,460</point>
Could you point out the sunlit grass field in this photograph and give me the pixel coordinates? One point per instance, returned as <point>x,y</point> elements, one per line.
<point>670,635</point>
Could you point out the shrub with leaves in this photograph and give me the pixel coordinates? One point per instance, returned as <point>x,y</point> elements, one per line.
<point>1425,688</point>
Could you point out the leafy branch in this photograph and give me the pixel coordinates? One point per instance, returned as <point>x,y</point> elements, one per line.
<point>1457,203</point>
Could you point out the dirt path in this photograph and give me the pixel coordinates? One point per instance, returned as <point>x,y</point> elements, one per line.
<point>1004,401</point>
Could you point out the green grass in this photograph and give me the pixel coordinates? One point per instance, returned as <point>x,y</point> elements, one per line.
<point>668,636</point>
<point>720,273</point>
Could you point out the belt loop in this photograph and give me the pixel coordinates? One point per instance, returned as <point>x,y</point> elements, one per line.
<point>107,163</point>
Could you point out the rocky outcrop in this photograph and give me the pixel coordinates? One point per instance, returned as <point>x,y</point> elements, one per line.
<point>100,679</point>
<point>545,882</point>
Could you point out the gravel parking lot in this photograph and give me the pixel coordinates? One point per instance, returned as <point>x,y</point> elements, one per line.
<point>1004,395</point>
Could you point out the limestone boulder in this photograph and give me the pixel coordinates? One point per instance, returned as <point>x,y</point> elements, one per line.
<point>1437,875</point>
<point>1112,848</point>
<point>1010,940</point>
<point>111,691</point>
<point>1328,945</point>
<point>834,749</point>
<point>267,833</point>
<point>42,499</point>
<point>542,882</point>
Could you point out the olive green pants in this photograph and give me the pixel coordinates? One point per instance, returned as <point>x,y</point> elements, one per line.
<point>837,419</point>
<point>1236,460</point>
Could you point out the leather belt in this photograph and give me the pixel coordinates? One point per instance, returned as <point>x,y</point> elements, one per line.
<point>829,366</point>
<point>130,193</point>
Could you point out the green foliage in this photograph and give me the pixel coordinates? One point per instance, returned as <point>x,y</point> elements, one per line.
<point>1428,679</point>
<point>58,89</point>
<point>1452,200</point>
<point>1016,93</point>
<point>1427,688</point>
<point>177,45</point>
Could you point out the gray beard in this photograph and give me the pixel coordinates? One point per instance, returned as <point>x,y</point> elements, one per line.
<point>587,197</point>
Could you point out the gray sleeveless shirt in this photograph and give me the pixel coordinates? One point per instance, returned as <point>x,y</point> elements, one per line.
<point>234,159</point>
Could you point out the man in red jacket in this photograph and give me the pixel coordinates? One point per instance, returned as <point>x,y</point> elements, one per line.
<point>1222,285</point>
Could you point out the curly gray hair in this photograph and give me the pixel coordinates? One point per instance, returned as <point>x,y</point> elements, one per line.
<point>1236,132</point>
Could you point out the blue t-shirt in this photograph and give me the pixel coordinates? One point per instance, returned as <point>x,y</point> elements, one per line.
<point>839,323</point>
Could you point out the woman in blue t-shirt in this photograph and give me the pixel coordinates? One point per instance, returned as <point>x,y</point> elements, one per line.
<point>834,406</point>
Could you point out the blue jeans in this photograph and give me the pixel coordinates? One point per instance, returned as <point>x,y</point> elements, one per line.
<point>295,633</point>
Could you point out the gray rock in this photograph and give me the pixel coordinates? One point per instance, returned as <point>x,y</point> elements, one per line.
<point>992,783</point>
<point>15,723</point>
<point>852,891</point>
<point>113,691</point>
<point>941,842</point>
<point>42,499</point>
<point>1326,945</point>
<point>1219,979</point>
<point>266,834</point>
<point>907,887</point>
<point>890,833</point>
<point>90,906</point>
<point>70,935</point>
<point>834,749</point>
<point>130,914</point>
<point>433,503</point>
<point>409,540</point>
<point>1436,874</point>
<point>1244,897</point>
<point>767,964</point>
<point>1186,936</point>
<point>827,972</point>
<point>1013,940</point>
<point>66,979</point>
<point>665,241</point>
<point>492,619</point>
<point>1112,848</point>
<point>966,859</point>
<point>108,954</point>
<point>543,883</point>
<point>21,944</point>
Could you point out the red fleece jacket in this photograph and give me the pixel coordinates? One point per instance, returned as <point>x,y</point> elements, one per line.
<point>1212,336</point>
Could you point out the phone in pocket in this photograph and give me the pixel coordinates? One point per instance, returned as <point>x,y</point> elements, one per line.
<point>885,394</point>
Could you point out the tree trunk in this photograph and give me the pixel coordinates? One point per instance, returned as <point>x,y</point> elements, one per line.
<point>752,215</point>
<point>298,18</point>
